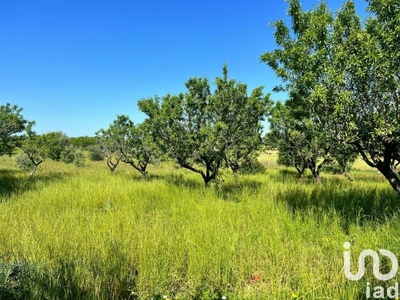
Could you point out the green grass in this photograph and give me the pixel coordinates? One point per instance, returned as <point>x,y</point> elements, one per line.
<point>83,233</point>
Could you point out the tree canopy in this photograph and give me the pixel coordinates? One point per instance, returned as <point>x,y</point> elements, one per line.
<point>202,130</point>
<point>345,75</point>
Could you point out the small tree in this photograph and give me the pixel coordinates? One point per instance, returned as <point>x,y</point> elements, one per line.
<point>130,143</point>
<point>299,142</point>
<point>201,130</point>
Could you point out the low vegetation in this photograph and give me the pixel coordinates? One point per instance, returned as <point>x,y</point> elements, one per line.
<point>86,233</point>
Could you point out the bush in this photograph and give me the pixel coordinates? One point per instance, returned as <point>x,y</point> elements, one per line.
<point>79,158</point>
<point>71,155</point>
<point>23,162</point>
<point>252,166</point>
<point>95,153</point>
<point>68,154</point>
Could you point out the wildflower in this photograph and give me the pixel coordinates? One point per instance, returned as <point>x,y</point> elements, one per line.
<point>294,296</point>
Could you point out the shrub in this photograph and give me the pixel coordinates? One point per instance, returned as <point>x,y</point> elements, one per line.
<point>68,154</point>
<point>95,153</point>
<point>23,162</point>
<point>79,158</point>
<point>252,166</point>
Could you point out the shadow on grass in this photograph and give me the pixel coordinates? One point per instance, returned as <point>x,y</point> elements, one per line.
<point>291,175</point>
<point>13,182</point>
<point>235,191</point>
<point>20,280</point>
<point>228,191</point>
<point>182,181</point>
<point>352,204</point>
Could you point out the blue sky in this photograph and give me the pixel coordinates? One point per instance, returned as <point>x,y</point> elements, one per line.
<point>75,65</point>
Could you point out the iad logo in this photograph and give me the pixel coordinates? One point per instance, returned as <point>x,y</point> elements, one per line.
<point>378,291</point>
<point>375,266</point>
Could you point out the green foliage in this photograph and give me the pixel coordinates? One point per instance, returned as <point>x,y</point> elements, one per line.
<point>95,152</point>
<point>56,143</point>
<point>130,143</point>
<point>71,155</point>
<point>83,142</point>
<point>201,130</point>
<point>23,162</point>
<point>68,154</point>
<point>344,77</point>
<point>11,124</point>
<point>252,166</point>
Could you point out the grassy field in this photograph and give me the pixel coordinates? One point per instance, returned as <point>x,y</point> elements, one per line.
<point>83,233</point>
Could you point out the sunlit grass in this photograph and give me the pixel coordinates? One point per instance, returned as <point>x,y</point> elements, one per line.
<point>84,233</point>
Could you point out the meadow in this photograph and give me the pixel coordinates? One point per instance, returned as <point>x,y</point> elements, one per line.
<point>84,233</point>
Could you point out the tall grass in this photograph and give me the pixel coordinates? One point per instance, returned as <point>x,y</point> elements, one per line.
<point>83,233</point>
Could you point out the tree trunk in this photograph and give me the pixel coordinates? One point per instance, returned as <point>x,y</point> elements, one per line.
<point>234,166</point>
<point>207,180</point>
<point>300,170</point>
<point>111,165</point>
<point>144,173</point>
<point>33,172</point>
<point>391,176</point>
<point>315,172</point>
<point>345,174</point>
<point>316,176</point>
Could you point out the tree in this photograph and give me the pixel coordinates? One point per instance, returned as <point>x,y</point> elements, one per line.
<point>201,130</point>
<point>130,143</point>
<point>299,142</point>
<point>347,75</point>
<point>56,142</point>
<point>35,148</point>
<point>108,141</point>
<point>95,152</point>
<point>11,124</point>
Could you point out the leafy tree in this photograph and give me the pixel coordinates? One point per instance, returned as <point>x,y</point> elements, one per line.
<point>299,142</point>
<point>11,124</point>
<point>35,148</point>
<point>130,143</point>
<point>108,141</point>
<point>201,130</point>
<point>247,111</point>
<point>56,142</point>
<point>347,75</point>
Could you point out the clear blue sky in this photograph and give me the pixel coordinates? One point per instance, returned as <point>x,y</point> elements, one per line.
<point>74,65</point>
